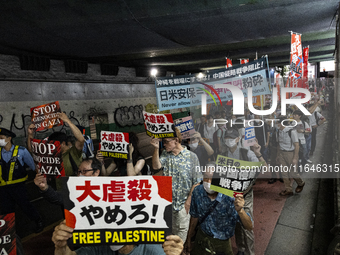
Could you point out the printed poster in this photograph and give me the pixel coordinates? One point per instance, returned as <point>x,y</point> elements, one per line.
<point>45,116</point>
<point>7,234</point>
<point>233,176</point>
<point>47,157</point>
<point>249,137</point>
<point>188,90</point>
<point>185,126</point>
<point>159,125</point>
<point>118,210</point>
<point>114,144</point>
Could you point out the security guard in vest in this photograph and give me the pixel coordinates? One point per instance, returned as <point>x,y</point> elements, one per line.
<point>13,161</point>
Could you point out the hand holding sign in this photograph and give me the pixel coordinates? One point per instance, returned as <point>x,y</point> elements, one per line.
<point>60,236</point>
<point>239,202</point>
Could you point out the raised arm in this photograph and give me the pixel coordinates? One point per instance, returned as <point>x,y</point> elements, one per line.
<point>156,164</point>
<point>245,218</point>
<point>80,140</point>
<point>206,146</point>
<point>131,169</point>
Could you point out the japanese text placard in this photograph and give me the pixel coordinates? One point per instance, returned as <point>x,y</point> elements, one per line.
<point>183,91</point>
<point>45,116</point>
<point>114,144</point>
<point>185,126</point>
<point>118,210</point>
<point>233,176</point>
<point>159,125</point>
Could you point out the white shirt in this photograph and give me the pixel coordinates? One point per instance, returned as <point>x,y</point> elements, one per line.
<point>312,120</point>
<point>209,132</point>
<point>285,141</point>
<point>300,126</point>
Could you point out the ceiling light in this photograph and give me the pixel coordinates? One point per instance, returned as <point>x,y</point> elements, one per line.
<point>153,72</point>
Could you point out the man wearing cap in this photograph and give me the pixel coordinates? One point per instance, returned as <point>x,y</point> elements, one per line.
<point>288,156</point>
<point>13,162</point>
<point>244,238</point>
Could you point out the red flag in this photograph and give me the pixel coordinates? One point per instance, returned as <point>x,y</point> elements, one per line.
<point>278,79</point>
<point>228,63</point>
<point>296,63</point>
<point>244,61</point>
<point>305,67</point>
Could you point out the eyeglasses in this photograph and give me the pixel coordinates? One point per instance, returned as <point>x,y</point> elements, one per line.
<point>168,141</point>
<point>83,172</point>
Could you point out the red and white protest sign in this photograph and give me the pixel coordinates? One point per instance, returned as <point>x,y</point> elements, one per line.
<point>45,116</point>
<point>118,210</point>
<point>159,125</point>
<point>7,234</point>
<point>47,157</point>
<point>114,144</point>
<point>296,64</point>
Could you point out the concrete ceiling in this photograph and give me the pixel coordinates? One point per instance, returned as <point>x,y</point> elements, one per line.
<point>178,35</point>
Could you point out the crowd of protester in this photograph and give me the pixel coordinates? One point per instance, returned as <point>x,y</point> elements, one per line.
<point>203,221</point>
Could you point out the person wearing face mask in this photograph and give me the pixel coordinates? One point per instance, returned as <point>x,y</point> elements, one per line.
<point>244,238</point>
<point>71,155</point>
<point>203,151</point>
<point>13,162</point>
<point>216,215</point>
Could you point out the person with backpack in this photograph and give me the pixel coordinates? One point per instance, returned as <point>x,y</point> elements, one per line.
<point>302,129</point>
<point>288,156</point>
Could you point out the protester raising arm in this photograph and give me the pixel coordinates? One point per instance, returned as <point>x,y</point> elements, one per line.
<point>156,164</point>
<point>105,171</point>
<point>131,169</point>
<point>80,140</point>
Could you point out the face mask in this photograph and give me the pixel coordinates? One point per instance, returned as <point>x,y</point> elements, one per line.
<point>206,186</point>
<point>193,145</point>
<point>116,247</point>
<point>3,143</point>
<point>230,142</point>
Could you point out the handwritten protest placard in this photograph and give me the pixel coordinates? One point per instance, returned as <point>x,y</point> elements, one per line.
<point>7,234</point>
<point>233,176</point>
<point>185,126</point>
<point>114,144</point>
<point>118,210</point>
<point>159,125</point>
<point>45,116</point>
<point>47,157</point>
